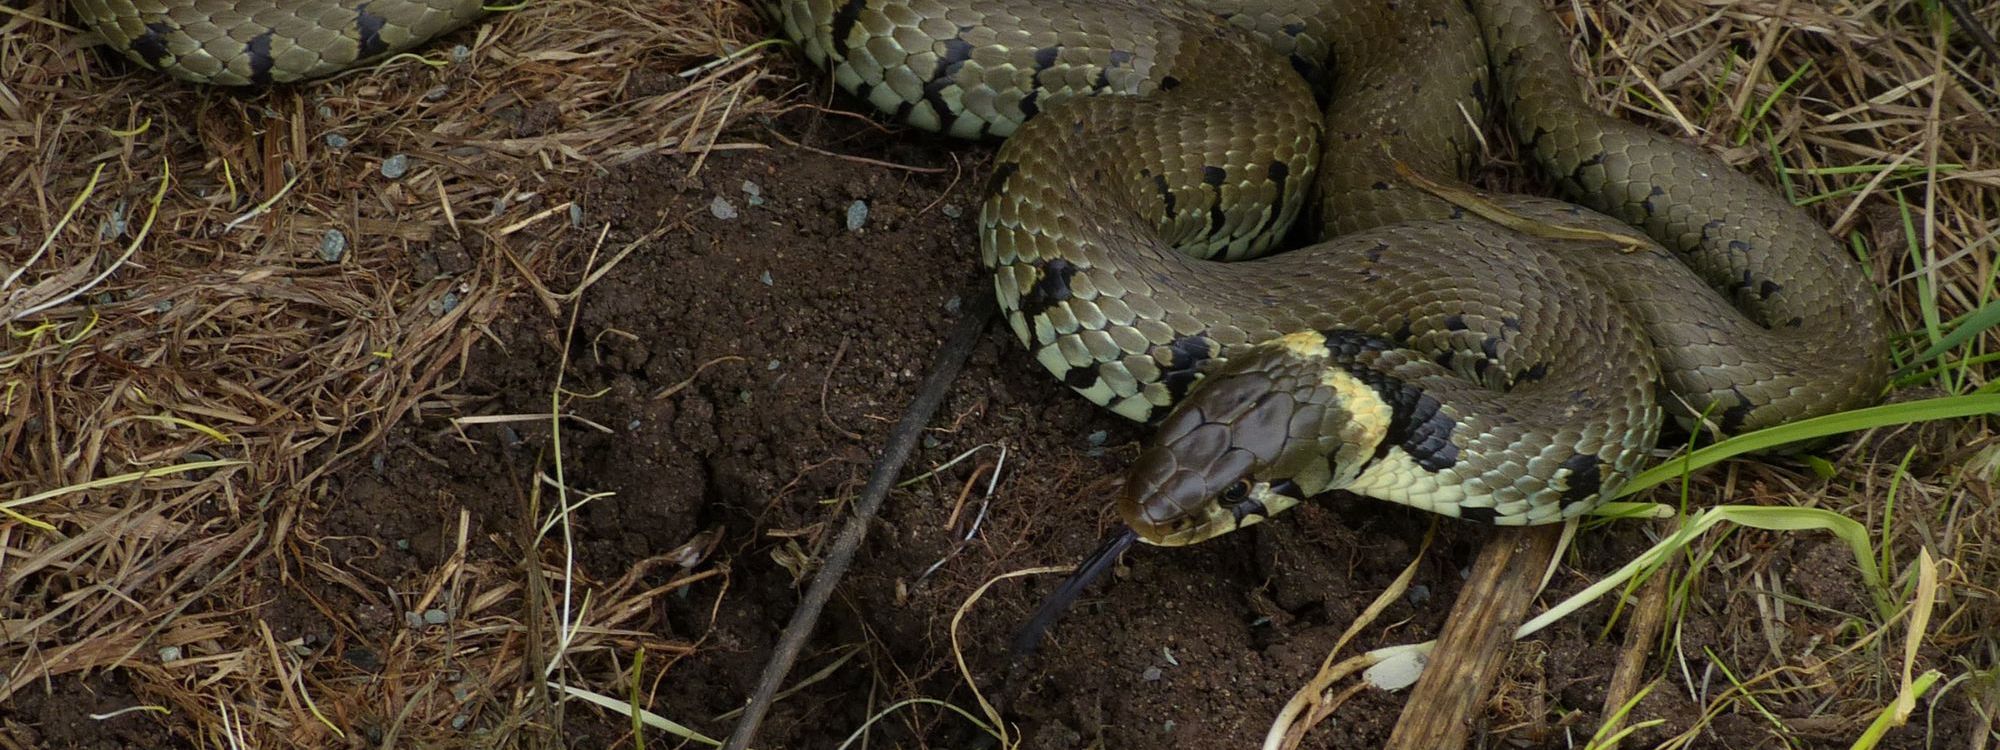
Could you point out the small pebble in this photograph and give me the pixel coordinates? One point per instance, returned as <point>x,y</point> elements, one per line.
<point>362,659</point>
<point>414,620</point>
<point>575,215</point>
<point>163,305</point>
<point>756,194</point>
<point>1152,674</point>
<point>1098,437</point>
<point>766,278</point>
<point>460,53</point>
<point>436,616</point>
<point>324,111</point>
<point>721,208</point>
<point>632,426</point>
<point>772,365</point>
<point>113,225</point>
<point>857,215</point>
<point>332,245</point>
<point>336,141</point>
<point>444,304</point>
<point>170,654</point>
<point>396,166</point>
<point>459,721</point>
<point>437,92</point>
<point>952,305</point>
<point>1167,726</point>
<point>403,545</point>
<point>1419,594</point>
<point>952,211</point>
<point>1169,654</point>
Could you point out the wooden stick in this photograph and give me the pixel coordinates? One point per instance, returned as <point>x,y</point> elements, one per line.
<point>1451,695</point>
<point>1643,628</point>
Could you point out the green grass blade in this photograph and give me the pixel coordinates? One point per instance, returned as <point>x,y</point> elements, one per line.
<point>1818,427</point>
<point>1986,317</point>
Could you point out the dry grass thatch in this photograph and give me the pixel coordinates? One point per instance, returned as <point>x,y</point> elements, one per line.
<point>238,293</point>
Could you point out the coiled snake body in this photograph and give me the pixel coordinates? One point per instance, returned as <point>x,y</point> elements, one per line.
<point>1418,353</point>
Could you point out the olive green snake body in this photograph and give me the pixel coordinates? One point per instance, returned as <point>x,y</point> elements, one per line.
<point>1418,353</point>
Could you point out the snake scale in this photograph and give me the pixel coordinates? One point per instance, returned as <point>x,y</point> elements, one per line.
<point>1418,352</point>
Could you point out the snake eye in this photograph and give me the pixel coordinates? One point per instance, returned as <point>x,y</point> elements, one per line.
<point>1236,492</point>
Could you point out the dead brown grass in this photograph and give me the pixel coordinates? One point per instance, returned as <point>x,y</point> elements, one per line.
<point>292,298</point>
<point>226,335</point>
<point>1881,118</point>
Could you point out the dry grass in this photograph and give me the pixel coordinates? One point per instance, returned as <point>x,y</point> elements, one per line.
<point>292,301</point>
<point>1884,125</point>
<point>226,334</point>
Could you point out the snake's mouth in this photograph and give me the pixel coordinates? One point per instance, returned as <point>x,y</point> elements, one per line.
<point>1245,503</point>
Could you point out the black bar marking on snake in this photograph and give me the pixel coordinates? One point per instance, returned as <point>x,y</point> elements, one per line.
<point>1584,478</point>
<point>1081,378</point>
<point>1576,173</point>
<point>997,181</point>
<point>843,25</point>
<point>1280,174</point>
<point>1185,356</point>
<point>259,50</point>
<point>1288,488</point>
<point>956,52</point>
<point>1532,374</point>
<point>1454,322</point>
<point>1248,508</point>
<point>1732,418</point>
<point>368,28</point>
<point>1029,106</point>
<point>1045,58</point>
<point>1214,176</point>
<point>152,45</point>
<point>1768,288</point>
<point>1169,83</point>
<point>1478,513</point>
<point>934,96</point>
<point>1417,421</point>
<point>1051,288</point>
<point>1647,204</point>
<point>1118,58</point>
<point>1166,193</point>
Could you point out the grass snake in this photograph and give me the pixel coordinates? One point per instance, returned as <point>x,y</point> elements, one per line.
<point>1415,352</point>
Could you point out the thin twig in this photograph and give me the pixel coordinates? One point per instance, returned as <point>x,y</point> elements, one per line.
<point>902,440</point>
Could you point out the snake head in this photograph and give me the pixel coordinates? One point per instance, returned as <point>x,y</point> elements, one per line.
<point>1252,440</point>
